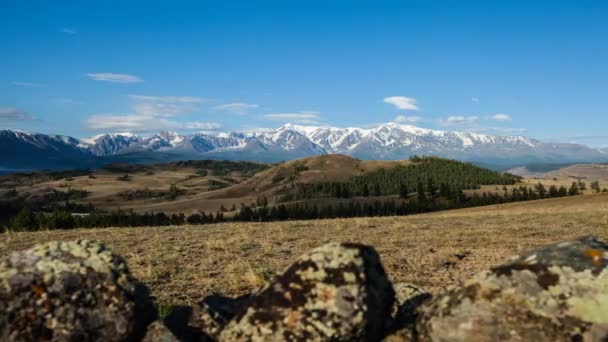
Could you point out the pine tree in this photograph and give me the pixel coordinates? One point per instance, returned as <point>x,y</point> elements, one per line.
<point>574,189</point>
<point>24,221</point>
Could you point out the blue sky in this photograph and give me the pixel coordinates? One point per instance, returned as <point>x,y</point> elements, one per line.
<point>537,68</point>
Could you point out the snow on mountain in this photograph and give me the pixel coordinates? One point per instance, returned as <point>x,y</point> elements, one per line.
<point>387,141</point>
<point>109,144</point>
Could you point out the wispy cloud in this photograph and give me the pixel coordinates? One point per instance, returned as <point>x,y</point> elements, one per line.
<point>303,117</point>
<point>144,123</point>
<point>500,117</point>
<point>14,114</point>
<point>596,141</point>
<point>169,99</point>
<point>68,30</point>
<point>237,107</point>
<point>481,124</point>
<point>152,113</point>
<point>27,84</point>
<point>165,105</point>
<point>402,102</point>
<point>408,119</point>
<point>201,126</point>
<point>458,120</point>
<point>475,99</point>
<point>115,78</point>
<point>499,130</point>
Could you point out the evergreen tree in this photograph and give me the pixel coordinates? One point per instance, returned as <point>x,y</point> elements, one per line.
<point>24,221</point>
<point>574,189</point>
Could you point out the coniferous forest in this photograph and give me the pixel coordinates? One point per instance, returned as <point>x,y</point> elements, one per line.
<point>426,185</point>
<point>427,174</point>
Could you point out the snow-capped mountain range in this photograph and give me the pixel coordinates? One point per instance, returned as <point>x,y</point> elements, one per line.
<point>388,141</point>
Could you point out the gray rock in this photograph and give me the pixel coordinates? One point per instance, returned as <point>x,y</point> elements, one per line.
<point>408,299</point>
<point>69,291</point>
<point>555,293</point>
<point>215,311</point>
<point>158,332</point>
<point>334,292</point>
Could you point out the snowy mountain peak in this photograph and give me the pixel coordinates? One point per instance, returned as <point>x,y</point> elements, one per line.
<point>173,138</point>
<point>387,141</point>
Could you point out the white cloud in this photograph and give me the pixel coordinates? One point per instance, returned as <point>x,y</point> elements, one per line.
<point>300,116</point>
<point>237,107</point>
<point>144,123</point>
<point>165,105</point>
<point>150,113</point>
<point>459,120</point>
<point>115,78</point>
<point>499,130</point>
<point>169,99</point>
<point>402,102</point>
<point>13,114</point>
<point>408,119</point>
<point>475,99</point>
<point>67,30</point>
<point>27,84</point>
<point>198,125</point>
<point>500,117</point>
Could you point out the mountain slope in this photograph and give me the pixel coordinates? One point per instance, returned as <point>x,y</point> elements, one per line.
<point>22,150</point>
<point>390,141</point>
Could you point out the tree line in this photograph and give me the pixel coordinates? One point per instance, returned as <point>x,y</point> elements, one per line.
<point>430,174</point>
<point>422,201</point>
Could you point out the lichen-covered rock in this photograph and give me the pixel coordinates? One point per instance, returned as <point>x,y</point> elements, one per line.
<point>215,311</point>
<point>70,291</point>
<point>158,332</point>
<point>408,298</point>
<point>555,293</point>
<point>334,292</point>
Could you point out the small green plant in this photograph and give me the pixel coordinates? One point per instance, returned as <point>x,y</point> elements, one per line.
<point>164,310</point>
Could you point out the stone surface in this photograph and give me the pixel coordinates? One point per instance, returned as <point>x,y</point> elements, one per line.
<point>70,291</point>
<point>555,293</point>
<point>158,332</point>
<point>334,292</point>
<point>408,299</point>
<point>215,311</point>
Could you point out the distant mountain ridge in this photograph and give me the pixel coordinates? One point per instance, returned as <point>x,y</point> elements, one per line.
<point>388,141</point>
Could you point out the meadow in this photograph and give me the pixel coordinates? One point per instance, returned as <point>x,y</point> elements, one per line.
<point>182,264</point>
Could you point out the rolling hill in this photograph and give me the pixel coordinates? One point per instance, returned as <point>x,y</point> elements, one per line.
<point>208,186</point>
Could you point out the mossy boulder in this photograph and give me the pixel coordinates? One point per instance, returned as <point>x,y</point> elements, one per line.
<point>408,298</point>
<point>70,291</point>
<point>158,332</point>
<point>555,293</point>
<point>334,292</point>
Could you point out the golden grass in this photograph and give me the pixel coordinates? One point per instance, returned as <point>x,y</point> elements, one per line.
<point>183,264</point>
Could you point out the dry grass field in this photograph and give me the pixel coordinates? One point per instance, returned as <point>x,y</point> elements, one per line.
<point>206,192</point>
<point>183,264</point>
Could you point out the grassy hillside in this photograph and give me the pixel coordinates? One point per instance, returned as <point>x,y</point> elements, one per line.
<point>182,264</point>
<point>328,186</point>
<point>129,186</point>
<point>587,172</point>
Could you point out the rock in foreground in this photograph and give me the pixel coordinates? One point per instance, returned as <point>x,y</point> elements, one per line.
<point>556,293</point>
<point>334,292</point>
<point>69,291</point>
